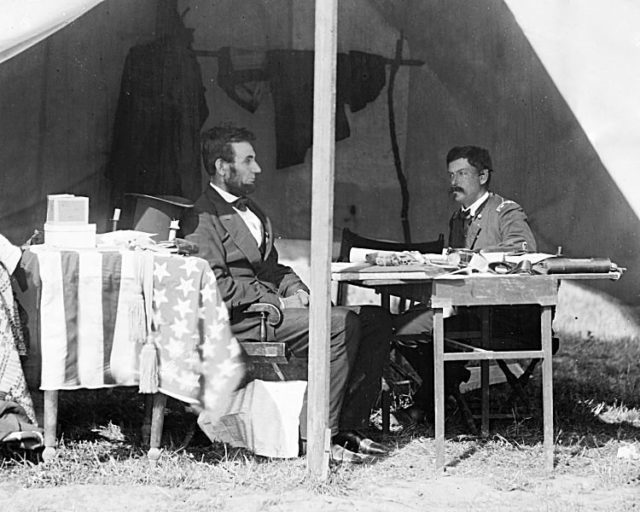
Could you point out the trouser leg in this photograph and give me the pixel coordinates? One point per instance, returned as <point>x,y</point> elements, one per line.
<point>344,341</point>
<point>418,322</point>
<point>366,374</point>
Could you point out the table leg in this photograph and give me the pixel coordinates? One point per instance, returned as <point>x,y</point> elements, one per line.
<point>547,386</point>
<point>486,397</point>
<point>438,388</point>
<point>50,424</point>
<point>146,422</point>
<point>157,422</point>
<point>484,372</point>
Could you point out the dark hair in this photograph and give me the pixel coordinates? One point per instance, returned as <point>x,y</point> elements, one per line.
<point>476,156</point>
<point>216,143</point>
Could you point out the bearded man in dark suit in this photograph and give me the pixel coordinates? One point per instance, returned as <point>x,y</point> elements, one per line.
<point>235,236</point>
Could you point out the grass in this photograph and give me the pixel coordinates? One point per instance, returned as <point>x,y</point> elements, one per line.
<point>596,406</point>
<point>596,409</point>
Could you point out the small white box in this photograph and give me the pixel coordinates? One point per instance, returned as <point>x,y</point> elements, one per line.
<point>67,208</point>
<point>73,236</point>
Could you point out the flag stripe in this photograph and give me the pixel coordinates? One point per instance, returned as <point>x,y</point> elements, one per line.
<point>90,348</point>
<point>111,278</point>
<point>53,341</point>
<point>130,308</point>
<point>70,272</point>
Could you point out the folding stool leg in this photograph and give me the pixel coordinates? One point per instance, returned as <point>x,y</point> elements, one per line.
<point>516,389</point>
<point>385,390</point>
<point>466,411</point>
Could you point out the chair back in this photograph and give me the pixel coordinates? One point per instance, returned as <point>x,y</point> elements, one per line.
<point>153,214</point>
<point>351,240</point>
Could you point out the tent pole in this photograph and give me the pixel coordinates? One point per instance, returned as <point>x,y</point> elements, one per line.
<point>324,105</point>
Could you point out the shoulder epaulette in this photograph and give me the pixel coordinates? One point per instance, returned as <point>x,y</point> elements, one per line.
<point>503,204</point>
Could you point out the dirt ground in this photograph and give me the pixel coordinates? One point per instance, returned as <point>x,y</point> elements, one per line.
<point>560,493</point>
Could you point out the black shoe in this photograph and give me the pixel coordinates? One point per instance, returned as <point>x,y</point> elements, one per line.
<point>410,416</point>
<point>356,442</point>
<point>341,454</point>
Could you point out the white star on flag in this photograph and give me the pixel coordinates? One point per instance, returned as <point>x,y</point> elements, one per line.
<point>183,307</point>
<point>170,371</point>
<point>190,265</point>
<point>222,312</point>
<point>208,349</point>
<point>160,271</point>
<point>186,286</point>
<point>226,368</point>
<point>208,293</point>
<point>175,348</point>
<point>189,380</point>
<point>234,348</point>
<point>216,330</point>
<point>193,361</point>
<point>209,277</point>
<point>221,379</point>
<point>179,328</point>
<point>160,297</point>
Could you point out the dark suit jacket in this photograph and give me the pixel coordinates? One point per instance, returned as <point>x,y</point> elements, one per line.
<point>244,273</point>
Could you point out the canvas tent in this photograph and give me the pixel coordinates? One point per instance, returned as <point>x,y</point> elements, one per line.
<point>548,89</point>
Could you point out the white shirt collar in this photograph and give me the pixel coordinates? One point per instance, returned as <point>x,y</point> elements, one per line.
<point>227,196</point>
<point>252,221</point>
<point>477,204</point>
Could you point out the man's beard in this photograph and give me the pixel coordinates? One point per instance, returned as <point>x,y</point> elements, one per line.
<point>235,186</point>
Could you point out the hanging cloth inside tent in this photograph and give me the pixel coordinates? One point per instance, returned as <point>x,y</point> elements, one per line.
<point>242,74</point>
<point>156,134</point>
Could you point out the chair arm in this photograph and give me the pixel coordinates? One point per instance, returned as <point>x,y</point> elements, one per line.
<point>269,314</point>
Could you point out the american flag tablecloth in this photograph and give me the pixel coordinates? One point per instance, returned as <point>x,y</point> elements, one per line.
<point>93,324</point>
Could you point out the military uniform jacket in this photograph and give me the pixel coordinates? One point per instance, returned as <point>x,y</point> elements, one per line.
<point>499,225</point>
<point>245,273</point>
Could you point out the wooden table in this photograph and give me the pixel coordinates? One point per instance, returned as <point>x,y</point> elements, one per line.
<point>433,286</point>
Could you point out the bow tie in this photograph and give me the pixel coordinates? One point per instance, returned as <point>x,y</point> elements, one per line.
<point>465,214</point>
<point>241,204</point>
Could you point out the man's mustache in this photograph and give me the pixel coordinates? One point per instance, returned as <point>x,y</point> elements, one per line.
<point>455,189</point>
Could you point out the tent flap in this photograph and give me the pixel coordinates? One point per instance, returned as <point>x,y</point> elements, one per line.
<point>27,22</point>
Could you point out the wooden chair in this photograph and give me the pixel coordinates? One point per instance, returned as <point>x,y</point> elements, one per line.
<point>351,240</point>
<point>487,337</point>
<point>262,351</point>
<point>153,214</point>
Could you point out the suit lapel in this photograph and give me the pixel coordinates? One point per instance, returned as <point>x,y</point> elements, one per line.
<point>475,227</point>
<point>472,234</point>
<point>236,228</point>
